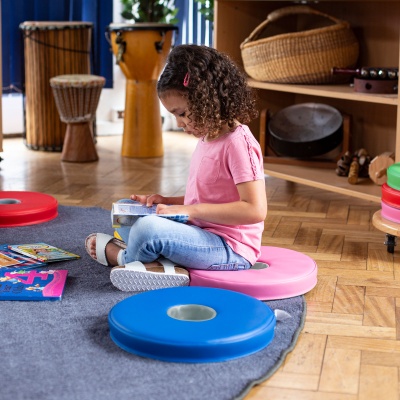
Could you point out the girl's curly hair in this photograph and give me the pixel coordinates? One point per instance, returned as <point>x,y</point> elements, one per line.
<point>215,87</point>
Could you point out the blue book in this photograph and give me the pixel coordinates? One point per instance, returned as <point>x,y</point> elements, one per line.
<point>32,284</point>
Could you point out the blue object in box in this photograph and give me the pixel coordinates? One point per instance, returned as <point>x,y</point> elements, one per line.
<point>192,324</point>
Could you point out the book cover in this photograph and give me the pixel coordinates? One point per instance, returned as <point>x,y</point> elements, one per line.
<point>127,213</point>
<point>21,261</point>
<point>43,252</point>
<point>32,284</point>
<point>7,261</point>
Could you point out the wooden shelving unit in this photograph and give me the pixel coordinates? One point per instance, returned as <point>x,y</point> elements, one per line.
<point>344,92</point>
<point>375,117</point>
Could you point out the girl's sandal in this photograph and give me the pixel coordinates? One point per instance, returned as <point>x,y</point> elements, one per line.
<point>136,277</point>
<point>102,239</point>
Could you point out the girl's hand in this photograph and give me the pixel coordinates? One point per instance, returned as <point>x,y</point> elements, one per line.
<point>178,209</point>
<point>148,199</point>
<point>250,209</point>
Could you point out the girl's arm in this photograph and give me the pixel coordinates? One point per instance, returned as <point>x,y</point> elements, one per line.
<point>250,209</point>
<point>150,199</point>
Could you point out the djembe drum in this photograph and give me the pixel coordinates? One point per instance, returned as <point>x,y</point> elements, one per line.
<point>51,49</point>
<point>76,98</point>
<point>141,50</point>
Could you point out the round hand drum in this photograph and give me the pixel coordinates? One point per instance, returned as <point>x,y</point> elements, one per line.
<point>141,50</point>
<point>77,97</point>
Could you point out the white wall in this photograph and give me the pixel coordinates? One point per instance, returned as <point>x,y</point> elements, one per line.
<point>12,114</point>
<point>112,100</point>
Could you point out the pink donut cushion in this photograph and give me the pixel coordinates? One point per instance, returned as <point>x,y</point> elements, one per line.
<point>390,213</point>
<point>289,273</point>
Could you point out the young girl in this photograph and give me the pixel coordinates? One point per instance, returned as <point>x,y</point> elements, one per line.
<point>225,196</point>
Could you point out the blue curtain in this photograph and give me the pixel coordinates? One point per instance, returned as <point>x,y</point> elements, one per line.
<point>14,12</point>
<point>192,29</point>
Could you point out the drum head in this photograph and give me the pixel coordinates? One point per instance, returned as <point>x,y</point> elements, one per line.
<point>141,26</point>
<point>77,80</point>
<point>306,130</point>
<point>45,25</point>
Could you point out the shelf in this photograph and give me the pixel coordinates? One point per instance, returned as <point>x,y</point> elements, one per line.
<point>384,225</point>
<point>344,92</point>
<point>375,118</point>
<point>325,179</point>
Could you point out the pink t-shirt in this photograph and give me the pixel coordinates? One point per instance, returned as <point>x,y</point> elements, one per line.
<point>215,170</point>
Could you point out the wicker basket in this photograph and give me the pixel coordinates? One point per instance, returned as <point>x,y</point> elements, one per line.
<point>305,57</point>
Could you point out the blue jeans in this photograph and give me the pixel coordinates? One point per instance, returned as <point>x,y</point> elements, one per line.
<point>151,237</point>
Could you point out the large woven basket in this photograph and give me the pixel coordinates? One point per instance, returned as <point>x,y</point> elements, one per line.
<point>305,57</point>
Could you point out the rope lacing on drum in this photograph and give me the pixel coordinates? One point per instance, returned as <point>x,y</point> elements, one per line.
<point>26,35</point>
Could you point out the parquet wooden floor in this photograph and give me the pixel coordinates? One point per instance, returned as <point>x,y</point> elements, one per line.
<point>350,346</point>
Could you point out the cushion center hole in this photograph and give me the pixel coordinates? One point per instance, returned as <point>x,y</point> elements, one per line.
<point>192,312</point>
<point>9,201</point>
<point>260,265</point>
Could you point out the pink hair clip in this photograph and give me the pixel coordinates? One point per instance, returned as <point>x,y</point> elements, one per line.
<point>186,80</point>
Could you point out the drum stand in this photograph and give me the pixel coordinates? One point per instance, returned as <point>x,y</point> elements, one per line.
<point>142,136</point>
<point>78,143</point>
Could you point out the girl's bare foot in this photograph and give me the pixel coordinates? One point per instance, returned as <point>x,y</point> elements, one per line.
<point>109,252</point>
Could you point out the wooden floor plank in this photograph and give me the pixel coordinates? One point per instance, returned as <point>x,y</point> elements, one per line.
<point>335,318</point>
<point>350,330</point>
<point>330,243</point>
<point>378,383</point>
<point>307,356</point>
<point>265,392</point>
<point>379,311</point>
<point>293,381</point>
<point>366,344</point>
<point>340,371</point>
<point>349,299</point>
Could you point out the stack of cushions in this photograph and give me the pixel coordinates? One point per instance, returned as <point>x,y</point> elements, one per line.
<point>391,194</point>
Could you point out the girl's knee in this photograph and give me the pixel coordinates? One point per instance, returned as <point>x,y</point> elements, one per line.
<point>152,229</point>
<point>144,240</point>
<point>148,221</point>
<point>146,226</point>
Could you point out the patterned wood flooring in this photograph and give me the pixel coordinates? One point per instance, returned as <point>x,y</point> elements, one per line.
<point>350,346</point>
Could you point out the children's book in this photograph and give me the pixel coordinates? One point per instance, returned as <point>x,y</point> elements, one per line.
<point>128,213</point>
<point>32,284</point>
<point>20,261</point>
<point>7,261</point>
<point>43,252</point>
